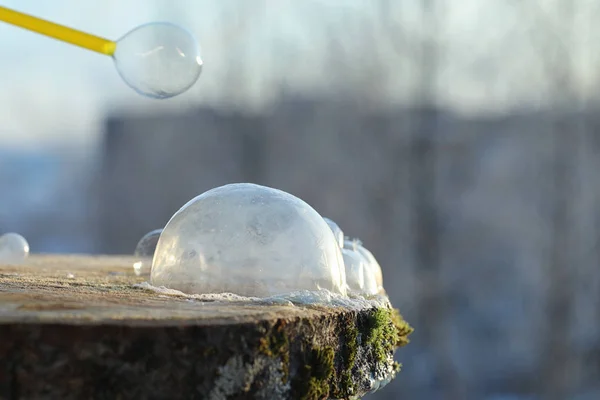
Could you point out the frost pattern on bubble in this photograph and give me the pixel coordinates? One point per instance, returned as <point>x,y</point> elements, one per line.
<point>373,264</point>
<point>355,270</point>
<point>373,277</point>
<point>14,249</point>
<point>249,240</point>
<point>359,275</point>
<point>337,231</point>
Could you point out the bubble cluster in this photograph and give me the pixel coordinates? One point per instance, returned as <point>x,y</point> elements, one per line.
<point>363,272</point>
<point>145,252</point>
<point>158,60</point>
<point>250,240</point>
<point>14,249</point>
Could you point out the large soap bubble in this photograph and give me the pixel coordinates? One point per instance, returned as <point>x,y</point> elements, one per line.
<point>249,240</point>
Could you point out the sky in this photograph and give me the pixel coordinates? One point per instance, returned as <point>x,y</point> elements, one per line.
<point>51,92</point>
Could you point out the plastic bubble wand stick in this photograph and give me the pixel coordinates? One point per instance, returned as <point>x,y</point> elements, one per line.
<point>158,60</point>
<point>56,31</point>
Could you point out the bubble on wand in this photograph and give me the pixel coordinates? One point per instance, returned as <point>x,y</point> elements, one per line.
<point>158,60</point>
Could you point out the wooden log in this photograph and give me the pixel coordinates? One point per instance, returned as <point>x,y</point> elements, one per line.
<point>77,327</point>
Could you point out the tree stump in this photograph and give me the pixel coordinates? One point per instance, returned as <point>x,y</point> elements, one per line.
<point>77,327</point>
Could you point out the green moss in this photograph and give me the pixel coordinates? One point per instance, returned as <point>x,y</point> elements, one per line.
<point>382,331</point>
<point>316,390</point>
<point>351,345</point>
<point>386,330</point>
<point>346,386</point>
<point>323,363</point>
<point>403,328</point>
<point>349,387</point>
<point>276,345</point>
<point>318,373</point>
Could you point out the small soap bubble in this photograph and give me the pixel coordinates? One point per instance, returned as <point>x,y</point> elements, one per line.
<point>353,263</point>
<point>158,60</point>
<point>373,264</point>
<point>359,274</point>
<point>147,244</point>
<point>337,231</point>
<point>371,286</point>
<point>14,248</point>
<point>375,274</point>
<point>249,240</point>
<point>145,251</point>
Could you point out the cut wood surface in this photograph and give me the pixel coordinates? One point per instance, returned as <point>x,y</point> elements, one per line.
<point>78,327</point>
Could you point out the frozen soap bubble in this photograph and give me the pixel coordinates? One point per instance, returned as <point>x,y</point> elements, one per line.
<point>145,251</point>
<point>373,275</point>
<point>359,276</point>
<point>337,232</point>
<point>249,240</point>
<point>13,248</point>
<point>158,60</point>
<point>373,265</point>
<point>355,270</point>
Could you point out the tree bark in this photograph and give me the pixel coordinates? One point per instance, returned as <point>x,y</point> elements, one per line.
<point>78,327</point>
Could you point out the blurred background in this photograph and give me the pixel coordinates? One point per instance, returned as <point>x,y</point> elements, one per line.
<point>459,140</point>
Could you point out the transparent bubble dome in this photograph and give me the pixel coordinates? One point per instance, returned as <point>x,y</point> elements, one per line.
<point>249,240</point>
<point>147,244</point>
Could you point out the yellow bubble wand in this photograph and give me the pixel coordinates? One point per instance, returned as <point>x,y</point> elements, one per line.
<point>56,31</point>
<point>178,69</point>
